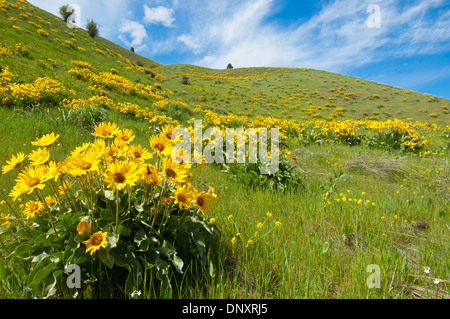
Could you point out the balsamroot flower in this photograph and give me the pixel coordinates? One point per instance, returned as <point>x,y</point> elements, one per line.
<point>151,175</point>
<point>184,196</point>
<point>83,163</point>
<point>121,174</point>
<point>84,226</point>
<point>39,157</point>
<point>32,208</point>
<point>14,163</point>
<point>161,144</point>
<point>95,242</point>
<point>46,141</point>
<point>175,173</point>
<point>139,152</point>
<point>30,179</point>
<point>105,130</point>
<point>125,135</point>
<point>203,201</point>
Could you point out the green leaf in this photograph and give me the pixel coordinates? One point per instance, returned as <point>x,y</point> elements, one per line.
<point>50,283</point>
<point>325,247</point>
<point>37,259</point>
<point>21,250</point>
<point>134,278</point>
<point>8,231</point>
<point>41,275</point>
<point>123,230</point>
<point>211,268</point>
<point>139,207</point>
<point>109,195</point>
<point>177,262</point>
<point>163,275</point>
<point>106,257</point>
<point>113,239</point>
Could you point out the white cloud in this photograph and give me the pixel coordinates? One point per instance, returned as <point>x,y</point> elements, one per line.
<point>136,32</point>
<point>159,14</point>
<point>190,42</point>
<point>239,32</point>
<point>337,38</point>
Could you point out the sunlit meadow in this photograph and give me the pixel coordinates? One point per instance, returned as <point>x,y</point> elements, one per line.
<point>88,178</point>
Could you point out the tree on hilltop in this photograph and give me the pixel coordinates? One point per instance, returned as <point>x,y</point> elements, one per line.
<point>65,12</point>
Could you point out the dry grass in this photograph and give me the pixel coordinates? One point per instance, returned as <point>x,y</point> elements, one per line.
<point>384,166</point>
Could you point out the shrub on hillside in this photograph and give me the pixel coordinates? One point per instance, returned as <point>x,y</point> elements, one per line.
<point>92,28</point>
<point>65,12</point>
<point>185,80</point>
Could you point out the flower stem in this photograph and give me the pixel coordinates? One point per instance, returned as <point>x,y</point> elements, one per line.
<point>41,197</point>
<point>117,209</point>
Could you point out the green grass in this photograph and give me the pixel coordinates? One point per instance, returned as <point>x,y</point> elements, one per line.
<point>324,247</point>
<point>285,92</point>
<point>292,258</point>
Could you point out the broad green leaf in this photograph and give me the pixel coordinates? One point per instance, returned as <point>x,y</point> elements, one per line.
<point>106,257</point>
<point>21,250</point>
<point>177,262</point>
<point>134,278</point>
<point>109,195</point>
<point>139,207</point>
<point>325,247</point>
<point>123,230</point>
<point>41,274</point>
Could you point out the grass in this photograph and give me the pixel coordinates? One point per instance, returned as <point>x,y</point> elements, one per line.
<point>324,246</point>
<point>293,258</point>
<point>298,94</point>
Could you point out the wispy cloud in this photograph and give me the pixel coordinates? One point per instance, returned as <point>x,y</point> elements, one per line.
<point>190,42</point>
<point>334,39</point>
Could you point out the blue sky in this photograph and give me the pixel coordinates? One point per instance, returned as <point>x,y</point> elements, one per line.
<point>400,43</point>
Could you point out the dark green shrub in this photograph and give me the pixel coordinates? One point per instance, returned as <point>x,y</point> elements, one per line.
<point>92,28</point>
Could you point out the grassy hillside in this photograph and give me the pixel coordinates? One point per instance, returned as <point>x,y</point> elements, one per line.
<point>301,94</point>
<point>363,180</point>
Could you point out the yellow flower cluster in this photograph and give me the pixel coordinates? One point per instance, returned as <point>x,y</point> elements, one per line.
<point>5,51</point>
<point>113,81</point>
<point>33,90</point>
<point>43,32</point>
<point>112,161</point>
<point>95,100</point>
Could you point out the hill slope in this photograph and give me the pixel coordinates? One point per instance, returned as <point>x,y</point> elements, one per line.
<point>49,47</point>
<point>47,65</point>
<point>300,94</point>
<point>371,192</point>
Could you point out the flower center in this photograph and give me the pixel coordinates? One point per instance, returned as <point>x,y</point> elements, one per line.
<point>181,198</point>
<point>105,133</point>
<point>18,165</point>
<point>170,172</point>
<point>125,138</point>
<point>86,166</point>
<point>119,178</point>
<point>159,146</point>
<point>33,182</point>
<point>169,135</point>
<point>35,208</point>
<point>97,240</point>
<point>137,154</point>
<point>200,201</point>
